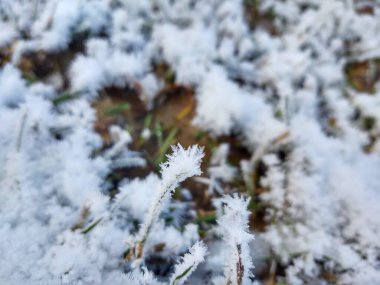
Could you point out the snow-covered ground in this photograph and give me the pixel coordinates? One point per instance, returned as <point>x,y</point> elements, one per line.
<point>283,92</point>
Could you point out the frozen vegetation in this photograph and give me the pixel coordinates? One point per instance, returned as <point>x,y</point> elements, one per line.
<point>282,91</point>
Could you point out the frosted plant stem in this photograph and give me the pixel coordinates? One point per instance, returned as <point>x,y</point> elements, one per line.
<point>21,131</point>
<point>181,164</point>
<point>154,211</point>
<point>239,266</point>
<point>189,263</point>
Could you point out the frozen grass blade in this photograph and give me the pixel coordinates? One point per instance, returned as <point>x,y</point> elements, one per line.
<point>180,165</point>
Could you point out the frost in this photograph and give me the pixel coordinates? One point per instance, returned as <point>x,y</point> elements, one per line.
<point>220,171</point>
<point>279,88</point>
<point>51,25</point>
<point>224,108</point>
<point>13,87</point>
<point>7,33</point>
<point>188,264</point>
<point>136,196</point>
<point>233,224</point>
<point>104,66</point>
<point>180,165</point>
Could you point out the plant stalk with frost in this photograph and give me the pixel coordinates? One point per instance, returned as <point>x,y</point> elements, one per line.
<point>190,262</point>
<point>233,225</point>
<point>180,165</point>
<point>21,132</point>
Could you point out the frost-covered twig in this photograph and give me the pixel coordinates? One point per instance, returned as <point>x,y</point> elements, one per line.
<point>21,131</point>
<point>181,164</point>
<point>189,263</point>
<point>233,225</point>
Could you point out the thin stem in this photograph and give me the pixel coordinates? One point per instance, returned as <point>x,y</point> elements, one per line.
<point>239,267</point>
<point>146,228</point>
<point>21,132</point>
